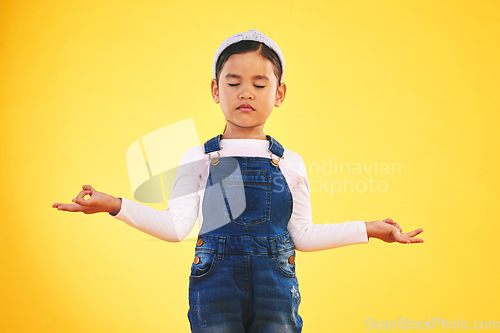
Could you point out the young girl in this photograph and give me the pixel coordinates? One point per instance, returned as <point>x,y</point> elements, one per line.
<point>251,197</point>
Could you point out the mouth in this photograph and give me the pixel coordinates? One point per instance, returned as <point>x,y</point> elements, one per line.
<point>246,108</point>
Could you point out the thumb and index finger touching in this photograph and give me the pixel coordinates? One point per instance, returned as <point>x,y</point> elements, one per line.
<point>78,201</point>
<point>86,190</point>
<point>391,222</point>
<point>405,238</point>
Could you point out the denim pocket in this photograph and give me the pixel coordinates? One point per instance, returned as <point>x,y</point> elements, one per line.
<point>286,262</point>
<point>248,197</point>
<point>203,264</point>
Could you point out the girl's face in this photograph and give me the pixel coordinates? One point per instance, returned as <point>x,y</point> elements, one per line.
<point>247,78</point>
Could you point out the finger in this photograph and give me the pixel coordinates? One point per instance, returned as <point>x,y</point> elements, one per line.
<point>414,232</point>
<point>89,188</point>
<point>398,227</point>
<point>400,238</point>
<point>82,194</point>
<point>416,240</point>
<point>391,222</point>
<point>413,240</point>
<point>80,201</point>
<point>70,207</point>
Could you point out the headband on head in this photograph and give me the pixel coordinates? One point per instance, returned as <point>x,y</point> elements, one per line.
<point>255,36</point>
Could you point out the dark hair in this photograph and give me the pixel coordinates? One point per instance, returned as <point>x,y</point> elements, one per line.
<point>245,46</point>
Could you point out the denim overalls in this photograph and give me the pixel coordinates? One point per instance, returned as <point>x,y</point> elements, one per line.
<point>243,274</point>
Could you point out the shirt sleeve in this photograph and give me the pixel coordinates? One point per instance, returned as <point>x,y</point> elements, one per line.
<point>175,223</point>
<point>315,237</point>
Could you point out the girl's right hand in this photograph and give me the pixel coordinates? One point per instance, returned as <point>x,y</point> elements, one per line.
<point>96,203</point>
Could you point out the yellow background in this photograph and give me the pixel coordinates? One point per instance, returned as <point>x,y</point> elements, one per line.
<point>409,82</point>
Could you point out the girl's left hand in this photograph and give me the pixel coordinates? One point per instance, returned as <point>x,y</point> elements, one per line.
<point>389,231</point>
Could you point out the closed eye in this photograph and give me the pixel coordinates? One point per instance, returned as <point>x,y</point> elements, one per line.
<point>237,84</point>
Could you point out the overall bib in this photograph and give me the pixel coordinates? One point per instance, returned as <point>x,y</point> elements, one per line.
<point>243,275</point>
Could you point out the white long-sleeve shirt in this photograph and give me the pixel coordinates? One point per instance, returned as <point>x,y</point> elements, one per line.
<point>176,222</point>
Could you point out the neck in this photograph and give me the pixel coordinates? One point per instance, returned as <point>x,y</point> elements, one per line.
<point>244,133</point>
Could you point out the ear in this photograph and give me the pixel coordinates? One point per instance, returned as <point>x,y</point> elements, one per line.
<point>215,91</point>
<point>280,94</point>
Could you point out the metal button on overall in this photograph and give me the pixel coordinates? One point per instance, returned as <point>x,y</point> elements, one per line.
<point>244,280</point>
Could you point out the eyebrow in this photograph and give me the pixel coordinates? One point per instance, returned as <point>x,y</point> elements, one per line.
<point>258,77</point>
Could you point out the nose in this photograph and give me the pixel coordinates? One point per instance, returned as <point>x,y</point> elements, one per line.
<point>246,93</point>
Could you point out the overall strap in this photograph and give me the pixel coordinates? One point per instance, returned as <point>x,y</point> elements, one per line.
<point>213,144</point>
<point>275,147</point>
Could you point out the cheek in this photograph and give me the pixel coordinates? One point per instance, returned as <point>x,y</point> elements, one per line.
<point>225,100</point>
<point>224,93</point>
<point>271,96</point>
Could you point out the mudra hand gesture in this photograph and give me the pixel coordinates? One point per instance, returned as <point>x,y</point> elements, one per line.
<point>389,231</point>
<point>98,202</point>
